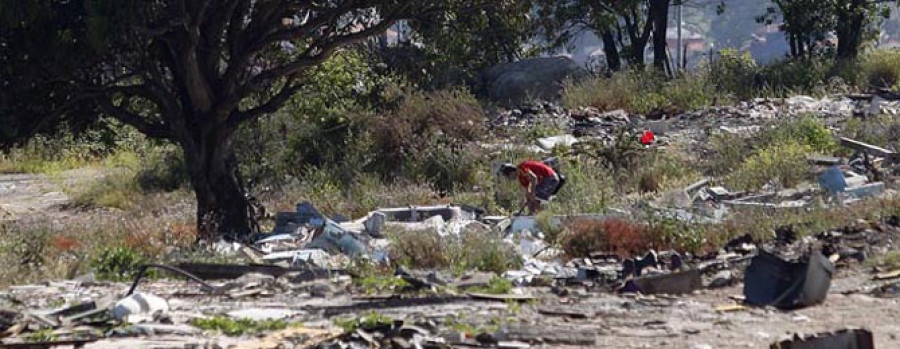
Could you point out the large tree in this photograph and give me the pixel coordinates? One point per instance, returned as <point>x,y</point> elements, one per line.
<point>807,22</point>
<point>624,26</point>
<point>188,71</point>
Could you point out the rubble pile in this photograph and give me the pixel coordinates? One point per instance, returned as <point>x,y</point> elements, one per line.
<point>299,285</point>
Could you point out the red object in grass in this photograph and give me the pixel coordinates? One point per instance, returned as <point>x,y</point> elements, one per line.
<point>648,138</point>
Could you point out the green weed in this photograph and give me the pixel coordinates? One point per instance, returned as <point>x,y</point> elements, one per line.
<point>118,264</point>
<point>238,327</point>
<point>366,321</point>
<point>497,285</point>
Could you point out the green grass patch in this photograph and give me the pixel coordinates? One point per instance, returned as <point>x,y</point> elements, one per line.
<point>238,327</point>
<point>497,285</point>
<point>368,320</point>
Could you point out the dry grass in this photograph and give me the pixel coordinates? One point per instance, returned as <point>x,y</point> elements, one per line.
<point>40,248</point>
<point>425,249</point>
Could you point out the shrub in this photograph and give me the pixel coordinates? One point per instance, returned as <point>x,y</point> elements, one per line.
<point>784,161</point>
<point>615,235</point>
<point>881,69</point>
<point>425,249</point>
<point>117,263</point>
<point>642,92</point>
<point>733,71</point>
<point>671,233</point>
<point>792,76</point>
<point>806,130</point>
<point>430,137</point>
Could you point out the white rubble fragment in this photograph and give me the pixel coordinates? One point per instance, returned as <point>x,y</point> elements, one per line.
<point>139,307</point>
<point>549,143</point>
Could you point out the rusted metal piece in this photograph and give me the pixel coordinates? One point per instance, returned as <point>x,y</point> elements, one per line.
<point>143,270</point>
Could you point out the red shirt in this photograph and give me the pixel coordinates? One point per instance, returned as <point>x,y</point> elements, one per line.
<point>540,169</point>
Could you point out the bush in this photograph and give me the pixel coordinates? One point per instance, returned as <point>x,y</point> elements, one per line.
<point>806,130</point>
<point>881,69</point>
<point>425,249</point>
<point>642,92</point>
<point>733,72</point>
<point>783,161</point>
<point>430,137</point>
<point>117,263</point>
<point>613,235</point>
<point>730,152</point>
<point>796,76</point>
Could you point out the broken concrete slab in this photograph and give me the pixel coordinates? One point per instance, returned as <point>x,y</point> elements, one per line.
<point>843,339</point>
<point>421,213</point>
<point>867,190</point>
<point>674,283</point>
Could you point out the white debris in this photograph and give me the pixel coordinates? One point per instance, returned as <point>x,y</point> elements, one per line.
<point>139,307</point>
<point>552,142</point>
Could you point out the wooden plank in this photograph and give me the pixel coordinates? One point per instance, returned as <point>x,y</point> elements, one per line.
<point>868,148</point>
<point>572,312</point>
<point>501,297</point>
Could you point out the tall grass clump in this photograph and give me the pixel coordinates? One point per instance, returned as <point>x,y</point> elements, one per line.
<point>881,69</point>
<point>777,152</point>
<point>642,92</point>
<point>471,250</point>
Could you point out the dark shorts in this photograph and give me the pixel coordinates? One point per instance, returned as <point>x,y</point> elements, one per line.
<point>546,187</point>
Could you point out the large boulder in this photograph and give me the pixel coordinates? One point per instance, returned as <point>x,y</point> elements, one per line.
<point>528,79</point>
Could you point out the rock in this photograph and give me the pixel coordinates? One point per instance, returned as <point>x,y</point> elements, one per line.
<point>539,78</point>
<point>474,280</point>
<point>320,289</point>
<point>139,307</point>
<point>723,278</point>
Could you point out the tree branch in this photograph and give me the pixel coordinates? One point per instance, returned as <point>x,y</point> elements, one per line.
<point>134,120</point>
<point>325,50</point>
<point>272,105</point>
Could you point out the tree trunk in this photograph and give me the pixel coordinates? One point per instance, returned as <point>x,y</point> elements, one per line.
<point>792,42</point>
<point>659,14</point>
<point>222,207</point>
<point>849,30</point>
<point>613,61</point>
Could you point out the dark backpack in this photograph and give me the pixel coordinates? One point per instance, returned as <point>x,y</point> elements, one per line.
<point>553,162</point>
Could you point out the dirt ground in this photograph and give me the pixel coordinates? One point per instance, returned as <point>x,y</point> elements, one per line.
<point>610,321</point>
